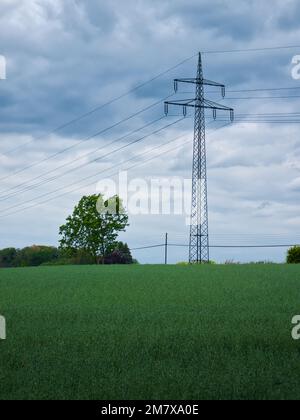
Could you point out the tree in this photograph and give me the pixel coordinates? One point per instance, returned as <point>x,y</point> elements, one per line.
<point>8,257</point>
<point>94,227</point>
<point>120,255</point>
<point>293,256</point>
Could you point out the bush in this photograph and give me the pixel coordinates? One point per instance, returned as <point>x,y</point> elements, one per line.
<point>120,255</point>
<point>293,256</point>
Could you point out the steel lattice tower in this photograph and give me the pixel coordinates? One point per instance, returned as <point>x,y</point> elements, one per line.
<point>199,240</point>
<point>199,234</point>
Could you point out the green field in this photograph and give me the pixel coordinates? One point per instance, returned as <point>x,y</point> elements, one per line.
<point>150,332</point>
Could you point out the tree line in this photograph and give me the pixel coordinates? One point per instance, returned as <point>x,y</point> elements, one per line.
<point>39,255</point>
<point>89,236</point>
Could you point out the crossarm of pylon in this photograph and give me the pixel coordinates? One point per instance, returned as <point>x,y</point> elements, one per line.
<point>215,105</point>
<point>199,81</point>
<point>181,102</point>
<point>211,83</point>
<point>206,105</point>
<point>189,80</point>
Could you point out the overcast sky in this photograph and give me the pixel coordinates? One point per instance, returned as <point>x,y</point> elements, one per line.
<point>67,57</point>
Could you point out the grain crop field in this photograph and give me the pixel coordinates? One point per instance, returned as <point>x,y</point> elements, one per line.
<point>150,332</point>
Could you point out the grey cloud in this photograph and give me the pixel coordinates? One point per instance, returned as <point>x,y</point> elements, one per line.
<point>225,18</point>
<point>288,19</point>
<point>66,57</point>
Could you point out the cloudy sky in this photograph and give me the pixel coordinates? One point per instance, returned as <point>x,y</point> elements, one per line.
<point>66,58</point>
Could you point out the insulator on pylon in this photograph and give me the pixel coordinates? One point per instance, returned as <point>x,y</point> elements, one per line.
<point>232,115</point>
<point>166,109</point>
<point>223,91</point>
<point>184,111</point>
<point>215,114</point>
<point>175,86</point>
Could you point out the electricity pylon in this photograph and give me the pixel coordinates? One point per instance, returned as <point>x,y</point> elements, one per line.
<point>199,235</point>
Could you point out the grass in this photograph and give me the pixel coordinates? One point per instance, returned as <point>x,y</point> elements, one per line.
<point>150,332</point>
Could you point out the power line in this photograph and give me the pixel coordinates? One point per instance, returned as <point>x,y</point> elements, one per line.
<point>92,176</point>
<point>237,121</point>
<point>88,177</point>
<point>289,47</point>
<point>214,246</point>
<point>270,114</point>
<point>147,247</point>
<point>99,158</point>
<point>110,102</point>
<point>271,117</point>
<point>262,89</point>
<point>156,77</point>
<point>97,174</point>
<point>105,170</point>
<point>250,115</point>
<point>87,138</point>
<point>275,116</point>
<point>72,161</point>
<point>265,97</point>
<point>242,234</point>
<point>278,89</point>
<point>240,246</point>
<point>250,97</point>
<point>43,182</point>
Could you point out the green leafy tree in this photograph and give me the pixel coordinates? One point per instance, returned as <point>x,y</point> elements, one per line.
<point>94,227</point>
<point>293,256</point>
